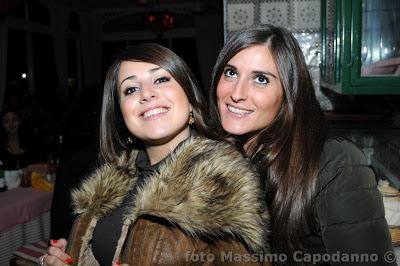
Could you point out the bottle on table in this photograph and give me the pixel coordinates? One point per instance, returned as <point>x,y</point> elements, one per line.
<point>3,184</point>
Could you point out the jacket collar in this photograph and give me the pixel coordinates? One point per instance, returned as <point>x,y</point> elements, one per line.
<point>205,187</point>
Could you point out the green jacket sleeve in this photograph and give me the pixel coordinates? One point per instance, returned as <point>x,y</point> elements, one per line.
<point>349,208</point>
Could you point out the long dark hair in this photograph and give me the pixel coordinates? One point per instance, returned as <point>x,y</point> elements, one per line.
<point>22,136</point>
<point>113,131</point>
<point>291,144</point>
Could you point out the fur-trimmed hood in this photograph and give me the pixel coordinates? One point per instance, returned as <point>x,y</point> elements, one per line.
<point>205,187</point>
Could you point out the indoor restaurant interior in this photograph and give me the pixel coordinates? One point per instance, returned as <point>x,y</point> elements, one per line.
<point>54,55</point>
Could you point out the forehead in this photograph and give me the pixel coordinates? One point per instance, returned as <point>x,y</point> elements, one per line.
<point>10,115</point>
<point>129,68</point>
<point>258,55</point>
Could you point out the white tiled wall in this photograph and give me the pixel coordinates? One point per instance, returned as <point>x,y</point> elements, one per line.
<point>275,13</point>
<point>296,15</point>
<point>240,15</point>
<point>307,16</point>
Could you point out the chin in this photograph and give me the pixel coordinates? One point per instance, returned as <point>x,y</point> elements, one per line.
<point>162,136</point>
<point>235,130</point>
<point>158,136</point>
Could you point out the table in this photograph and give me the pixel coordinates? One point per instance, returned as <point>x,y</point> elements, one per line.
<point>24,218</point>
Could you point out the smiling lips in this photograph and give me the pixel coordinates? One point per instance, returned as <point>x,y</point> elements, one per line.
<point>238,111</point>
<point>154,112</point>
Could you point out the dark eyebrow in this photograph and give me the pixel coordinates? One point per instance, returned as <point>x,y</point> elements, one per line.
<point>265,73</point>
<point>256,72</point>
<point>230,66</point>
<point>154,69</point>
<point>133,77</point>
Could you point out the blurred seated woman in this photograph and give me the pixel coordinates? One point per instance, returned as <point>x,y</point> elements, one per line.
<point>166,195</point>
<point>16,150</point>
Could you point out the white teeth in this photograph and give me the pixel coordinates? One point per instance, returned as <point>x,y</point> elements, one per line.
<point>155,111</point>
<point>237,110</point>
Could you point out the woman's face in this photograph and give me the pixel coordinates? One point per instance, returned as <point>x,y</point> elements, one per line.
<point>249,91</point>
<point>154,106</point>
<point>11,123</point>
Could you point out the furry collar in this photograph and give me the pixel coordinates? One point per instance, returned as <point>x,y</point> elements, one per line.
<point>205,187</point>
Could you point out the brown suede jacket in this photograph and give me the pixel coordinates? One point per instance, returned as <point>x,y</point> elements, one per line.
<point>204,207</point>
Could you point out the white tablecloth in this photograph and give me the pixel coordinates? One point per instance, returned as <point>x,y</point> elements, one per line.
<point>32,231</point>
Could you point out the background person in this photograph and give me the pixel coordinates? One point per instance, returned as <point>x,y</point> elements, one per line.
<point>17,147</point>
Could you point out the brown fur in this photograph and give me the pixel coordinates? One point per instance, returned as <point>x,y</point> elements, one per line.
<point>206,188</point>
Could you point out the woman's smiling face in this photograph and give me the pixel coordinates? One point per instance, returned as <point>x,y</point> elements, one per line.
<point>11,123</point>
<point>154,106</point>
<point>249,91</point>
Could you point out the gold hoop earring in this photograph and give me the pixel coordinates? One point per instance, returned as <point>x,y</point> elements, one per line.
<point>130,140</point>
<point>191,118</point>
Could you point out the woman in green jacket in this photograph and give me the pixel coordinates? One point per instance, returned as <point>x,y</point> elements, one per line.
<point>322,195</point>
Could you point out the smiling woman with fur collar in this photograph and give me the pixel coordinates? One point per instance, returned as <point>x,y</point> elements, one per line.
<point>166,194</point>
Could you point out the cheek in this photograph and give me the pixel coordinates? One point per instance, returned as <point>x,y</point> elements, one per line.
<point>278,100</point>
<point>123,106</point>
<point>179,97</point>
<point>269,105</point>
<point>222,91</point>
<point>127,108</point>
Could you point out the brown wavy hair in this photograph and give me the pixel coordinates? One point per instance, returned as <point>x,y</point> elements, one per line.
<point>291,144</point>
<point>113,131</point>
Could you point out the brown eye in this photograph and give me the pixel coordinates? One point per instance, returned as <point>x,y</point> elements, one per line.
<point>130,90</point>
<point>161,80</point>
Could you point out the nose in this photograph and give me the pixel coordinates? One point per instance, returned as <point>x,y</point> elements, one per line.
<point>239,92</point>
<point>147,94</point>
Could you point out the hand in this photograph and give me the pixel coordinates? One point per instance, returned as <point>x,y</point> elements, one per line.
<point>56,255</point>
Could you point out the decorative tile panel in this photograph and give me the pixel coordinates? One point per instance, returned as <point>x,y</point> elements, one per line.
<point>330,37</point>
<point>240,16</point>
<point>275,13</point>
<point>307,16</point>
<point>295,15</point>
<point>330,9</point>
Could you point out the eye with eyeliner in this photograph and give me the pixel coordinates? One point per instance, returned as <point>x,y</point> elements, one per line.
<point>229,72</point>
<point>261,79</point>
<point>162,79</point>
<point>130,90</point>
